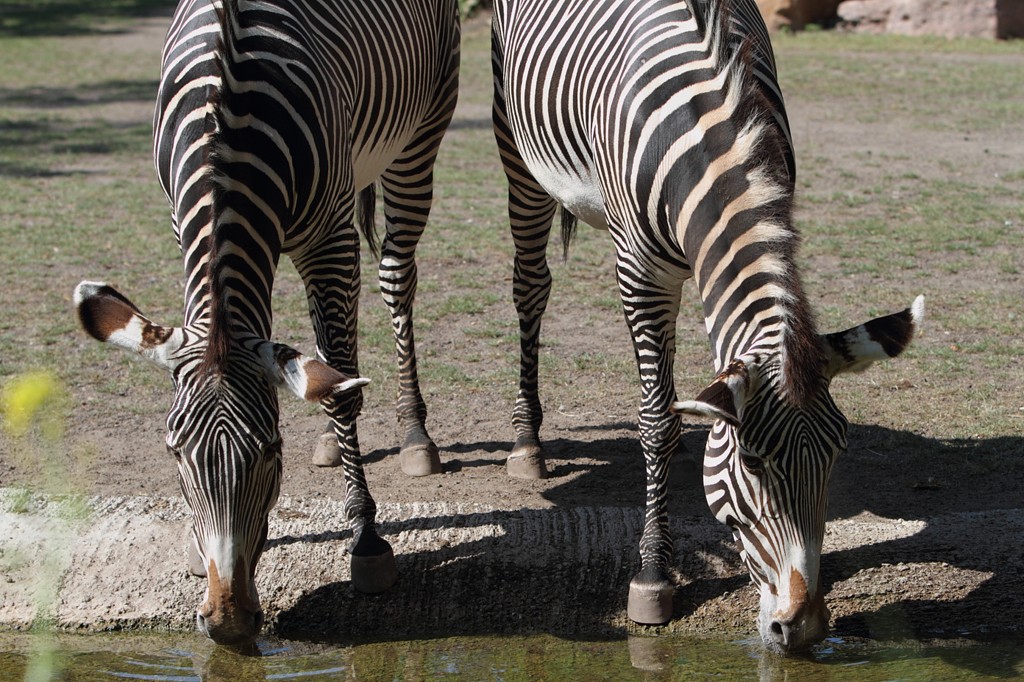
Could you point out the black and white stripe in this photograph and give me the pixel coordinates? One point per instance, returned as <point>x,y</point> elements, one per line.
<point>662,121</point>
<point>272,117</point>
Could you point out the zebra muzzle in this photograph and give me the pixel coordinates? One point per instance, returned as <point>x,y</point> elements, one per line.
<point>798,624</point>
<point>229,615</point>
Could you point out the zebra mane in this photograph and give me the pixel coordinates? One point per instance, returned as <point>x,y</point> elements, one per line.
<point>734,27</point>
<point>218,317</point>
<point>228,101</point>
<point>217,150</point>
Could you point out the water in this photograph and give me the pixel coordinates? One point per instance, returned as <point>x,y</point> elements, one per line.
<point>189,658</point>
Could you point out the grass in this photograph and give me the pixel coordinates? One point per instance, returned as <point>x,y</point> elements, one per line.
<point>908,206</point>
<point>910,181</point>
<point>943,84</point>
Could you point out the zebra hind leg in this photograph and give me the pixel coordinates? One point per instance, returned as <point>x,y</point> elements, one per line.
<point>327,452</point>
<point>531,211</point>
<point>408,193</point>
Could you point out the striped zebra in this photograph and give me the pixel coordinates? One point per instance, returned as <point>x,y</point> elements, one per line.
<point>272,117</point>
<point>661,121</point>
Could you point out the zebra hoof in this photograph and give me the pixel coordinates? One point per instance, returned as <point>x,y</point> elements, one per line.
<point>374,574</point>
<point>327,452</point>
<point>526,461</point>
<point>650,600</point>
<point>420,460</point>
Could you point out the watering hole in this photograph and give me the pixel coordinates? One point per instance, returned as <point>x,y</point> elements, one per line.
<point>181,658</point>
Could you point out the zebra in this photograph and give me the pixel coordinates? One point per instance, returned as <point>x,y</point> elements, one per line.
<point>271,117</point>
<point>662,122</point>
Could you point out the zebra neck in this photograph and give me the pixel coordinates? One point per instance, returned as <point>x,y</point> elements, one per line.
<point>761,316</point>
<point>747,282</point>
<point>229,274</point>
<point>756,339</point>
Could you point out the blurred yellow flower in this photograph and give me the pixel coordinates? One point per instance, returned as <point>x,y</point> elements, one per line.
<point>24,396</point>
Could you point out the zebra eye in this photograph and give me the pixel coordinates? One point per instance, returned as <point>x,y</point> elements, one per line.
<point>174,452</point>
<point>273,449</point>
<point>752,463</point>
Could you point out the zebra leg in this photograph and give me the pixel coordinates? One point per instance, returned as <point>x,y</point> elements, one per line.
<point>651,590</point>
<point>332,279</point>
<point>408,191</point>
<point>327,452</point>
<point>651,308</point>
<point>372,564</point>
<point>531,211</point>
<point>408,188</point>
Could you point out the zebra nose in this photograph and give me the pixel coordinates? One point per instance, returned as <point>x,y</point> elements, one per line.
<point>783,634</point>
<point>233,629</point>
<point>798,633</point>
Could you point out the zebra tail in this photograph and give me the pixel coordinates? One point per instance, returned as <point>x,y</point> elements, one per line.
<point>366,207</point>
<point>568,231</point>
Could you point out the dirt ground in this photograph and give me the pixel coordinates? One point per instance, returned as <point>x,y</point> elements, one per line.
<point>924,535</point>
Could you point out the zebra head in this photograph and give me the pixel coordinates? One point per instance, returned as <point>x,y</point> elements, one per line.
<point>222,429</point>
<point>767,466</point>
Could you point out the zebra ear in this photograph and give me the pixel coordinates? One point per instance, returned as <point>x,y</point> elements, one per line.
<point>306,377</point>
<point>722,399</point>
<point>108,316</point>
<point>854,350</point>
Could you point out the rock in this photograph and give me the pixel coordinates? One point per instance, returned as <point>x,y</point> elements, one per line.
<point>864,16</point>
<point>947,18</point>
<point>796,14</point>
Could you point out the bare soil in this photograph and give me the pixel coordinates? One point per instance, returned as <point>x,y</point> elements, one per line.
<point>924,533</point>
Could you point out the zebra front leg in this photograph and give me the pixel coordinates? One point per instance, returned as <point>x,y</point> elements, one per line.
<point>531,212</point>
<point>372,564</point>
<point>651,590</point>
<point>332,277</point>
<point>651,306</point>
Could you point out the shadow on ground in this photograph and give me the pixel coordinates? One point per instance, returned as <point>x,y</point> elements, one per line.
<point>35,18</point>
<point>56,132</point>
<point>563,586</point>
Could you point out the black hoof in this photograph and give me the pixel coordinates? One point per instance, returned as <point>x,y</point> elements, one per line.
<point>373,564</point>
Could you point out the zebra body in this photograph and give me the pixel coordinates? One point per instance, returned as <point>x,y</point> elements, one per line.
<point>271,117</point>
<point>662,122</point>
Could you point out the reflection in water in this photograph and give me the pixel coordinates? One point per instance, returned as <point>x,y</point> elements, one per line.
<point>512,658</point>
<point>164,665</point>
<point>649,653</point>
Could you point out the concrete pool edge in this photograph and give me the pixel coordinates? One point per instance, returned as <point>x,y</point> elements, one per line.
<point>119,563</point>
